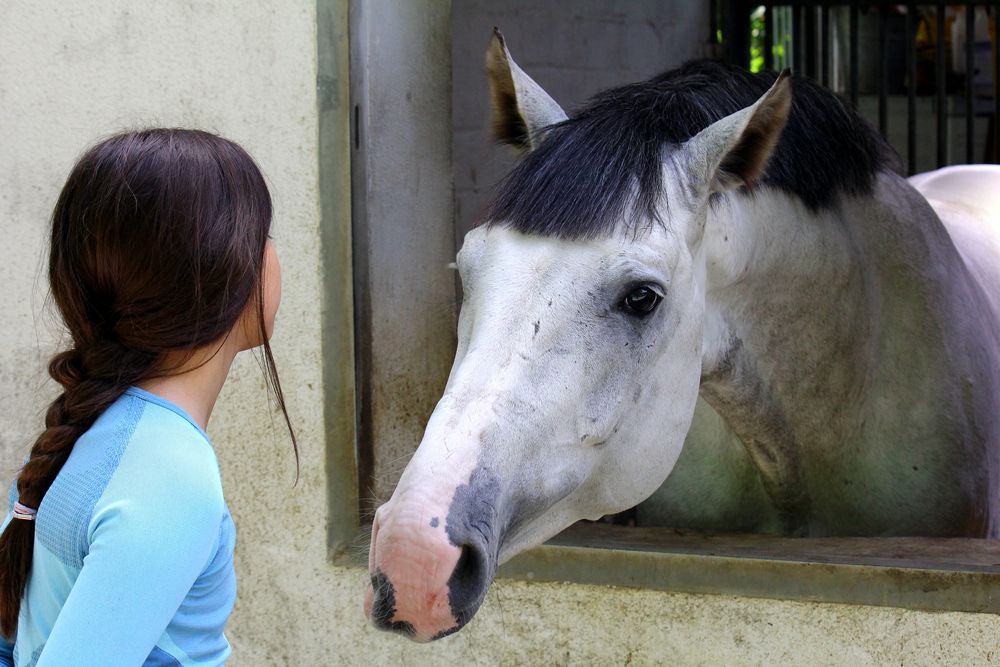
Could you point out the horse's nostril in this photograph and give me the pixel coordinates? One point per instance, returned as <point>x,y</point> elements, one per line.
<point>469,566</point>
<point>468,583</point>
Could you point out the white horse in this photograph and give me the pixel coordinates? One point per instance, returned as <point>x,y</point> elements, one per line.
<point>743,295</point>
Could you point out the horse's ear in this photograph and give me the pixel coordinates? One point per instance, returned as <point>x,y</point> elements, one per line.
<point>736,149</point>
<point>521,109</point>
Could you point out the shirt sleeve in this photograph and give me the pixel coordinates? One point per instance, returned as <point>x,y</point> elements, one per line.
<point>151,536</point>
<point>6,647</point>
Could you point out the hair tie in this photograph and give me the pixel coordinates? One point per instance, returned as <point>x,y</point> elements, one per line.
<point>24,512</point>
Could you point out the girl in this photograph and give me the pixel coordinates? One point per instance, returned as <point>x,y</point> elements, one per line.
<point>118,548</point>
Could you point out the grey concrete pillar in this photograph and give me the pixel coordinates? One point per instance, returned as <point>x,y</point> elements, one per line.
<point>403,227</point>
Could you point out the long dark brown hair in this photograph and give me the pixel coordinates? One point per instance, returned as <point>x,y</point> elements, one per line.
<point>158,242</point>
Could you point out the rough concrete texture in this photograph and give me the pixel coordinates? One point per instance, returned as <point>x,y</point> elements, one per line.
<point>69,74</point>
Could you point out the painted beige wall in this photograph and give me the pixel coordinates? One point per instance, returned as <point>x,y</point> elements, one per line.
<point>69,74</point>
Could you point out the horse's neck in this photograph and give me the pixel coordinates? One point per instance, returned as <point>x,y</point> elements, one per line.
<point>808,316</point>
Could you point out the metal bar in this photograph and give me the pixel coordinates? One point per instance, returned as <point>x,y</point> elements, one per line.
<point>713,22</point>
<point>854,54</point>
<point>736,32</point>
<point>883,70</point>
<point>911,90</point>
<point>798,42</point>
<point>939,84</point>
<point>970,71</point>
<point>812,66</point>
<point>825,39</point>
<point>996,83</point>
<point>769,36</point>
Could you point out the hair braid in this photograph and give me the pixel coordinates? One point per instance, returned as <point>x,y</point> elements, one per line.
<point>92,378</point>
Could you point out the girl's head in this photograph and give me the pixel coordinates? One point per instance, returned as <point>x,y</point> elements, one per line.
<point>159,250</point>
<point>158,244</point>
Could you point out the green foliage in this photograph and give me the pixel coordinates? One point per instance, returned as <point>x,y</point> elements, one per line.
<point>758,41</point>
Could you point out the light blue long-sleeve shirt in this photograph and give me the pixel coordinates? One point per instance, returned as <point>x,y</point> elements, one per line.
<point>133,555</point>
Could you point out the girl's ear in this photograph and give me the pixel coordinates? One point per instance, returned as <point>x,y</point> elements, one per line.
<point>249,331</point>
<point>521,109</point>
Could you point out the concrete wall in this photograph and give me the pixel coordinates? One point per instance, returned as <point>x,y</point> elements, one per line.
<point>572,49</point>
<point>69,74</point>
<point>72,72</point>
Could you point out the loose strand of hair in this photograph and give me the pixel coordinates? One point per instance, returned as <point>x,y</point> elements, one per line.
<point>271,378</point>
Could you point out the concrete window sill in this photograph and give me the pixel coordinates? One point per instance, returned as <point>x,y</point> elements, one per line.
<point>939,574</point>
<point>932,574</point>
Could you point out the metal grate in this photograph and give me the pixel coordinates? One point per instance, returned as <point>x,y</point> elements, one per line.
<point>900,64</point>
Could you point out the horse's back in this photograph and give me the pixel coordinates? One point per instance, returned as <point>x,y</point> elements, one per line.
<point>976,186</point>
<point>967,199</point>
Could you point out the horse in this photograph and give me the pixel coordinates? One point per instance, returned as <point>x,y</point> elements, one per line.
<point>718,279</point>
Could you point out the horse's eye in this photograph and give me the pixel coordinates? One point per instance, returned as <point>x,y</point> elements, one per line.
<point>641,301</point>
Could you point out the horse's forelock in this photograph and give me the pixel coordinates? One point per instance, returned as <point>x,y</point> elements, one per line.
<point>602,169</point>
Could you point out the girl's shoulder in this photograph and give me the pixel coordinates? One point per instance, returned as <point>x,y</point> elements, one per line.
<point>151,441</point>
<point>142,464</point>
<point>158,433</point>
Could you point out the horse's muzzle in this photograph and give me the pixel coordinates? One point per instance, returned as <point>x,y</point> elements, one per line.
<point>428,578</point>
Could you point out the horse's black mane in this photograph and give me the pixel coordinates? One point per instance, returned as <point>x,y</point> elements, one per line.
<point>605,163</point>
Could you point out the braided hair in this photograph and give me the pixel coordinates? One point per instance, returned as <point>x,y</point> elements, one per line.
<point>157,247</point>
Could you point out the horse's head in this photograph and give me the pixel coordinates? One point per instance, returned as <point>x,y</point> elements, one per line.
<point>578,363</point>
